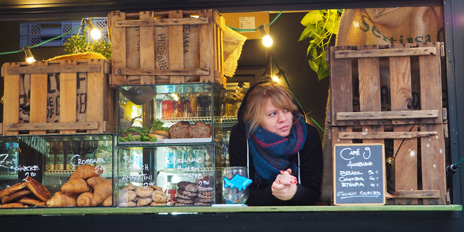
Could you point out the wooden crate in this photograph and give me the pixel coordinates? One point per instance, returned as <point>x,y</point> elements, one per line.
<point>69,96</point>
<point>393,95</point>
<point>166,47</point>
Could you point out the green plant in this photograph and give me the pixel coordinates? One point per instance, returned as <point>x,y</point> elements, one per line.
<point>79,43</point>
<point>320,26</point>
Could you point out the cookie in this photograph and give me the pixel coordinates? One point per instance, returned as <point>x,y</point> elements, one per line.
<point>186,193</point>
<point>203,200</point>
<point>183,204</point>
<point>185,196</point>
<point>189,186</point>
<point>205,189</point>
<point>206,194</point>
<point>202,204</point>
<point>159,196</point>
<point>183,201</point>
<point>144,191</point>
<point>158,204</point>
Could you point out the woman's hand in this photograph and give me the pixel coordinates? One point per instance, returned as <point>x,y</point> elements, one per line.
<point>284,186</point>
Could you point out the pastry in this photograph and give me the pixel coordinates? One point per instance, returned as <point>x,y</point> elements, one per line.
<point>86,171</point>
<point>127,196</point>
<point>180,130</point>
<point>206,194</point>
<point>200,130</point>
<point>189,186</point>
<point>13,205</point>
<point>102,191</point>
<point>92,181</point>
<point>159,196</point>
<point>144,191</point>
<point>16,195</point>
<point>183,201</point>
<point>30,201</point>
<point>158,204</point>
<point>38,189</point>
<point>143,201</point>
<point>108,201</point>
<point>61,200</point>
<point>156,187</point>
<point>12,189</point>
<point>127,204</point>
<point>186,193</point>
<point>86,199</point>
<point>130,187</point>
<point>75,186</point>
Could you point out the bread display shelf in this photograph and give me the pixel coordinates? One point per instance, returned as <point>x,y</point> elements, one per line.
<point>227,121</point>
<point>169,141</point>
<point>67,173</point>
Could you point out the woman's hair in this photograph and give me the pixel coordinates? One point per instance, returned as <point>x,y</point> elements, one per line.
<point>256,101</point>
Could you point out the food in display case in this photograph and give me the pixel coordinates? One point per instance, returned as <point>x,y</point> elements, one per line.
<point>84,179</point>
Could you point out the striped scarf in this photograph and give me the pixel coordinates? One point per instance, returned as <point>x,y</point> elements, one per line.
<point>272,153</point>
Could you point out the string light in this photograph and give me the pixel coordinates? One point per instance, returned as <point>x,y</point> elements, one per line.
<point>95,33</point>
<point>267,40</point>
<point>28,54</point>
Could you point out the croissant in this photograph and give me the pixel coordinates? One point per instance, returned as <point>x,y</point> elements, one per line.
<point>61,200</point>
<point>95,180</point>
<point>75,186</point>
<point>102,191</point>
<point>86,171</point>
<point>108,201</point>
<point>86,199</point>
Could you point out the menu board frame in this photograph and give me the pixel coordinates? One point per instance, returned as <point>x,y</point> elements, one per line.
<point>364,172</point>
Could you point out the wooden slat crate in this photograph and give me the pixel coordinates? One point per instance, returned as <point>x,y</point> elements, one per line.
<point>393,95</point>
<point>166,47</point>
<point>68,96</point>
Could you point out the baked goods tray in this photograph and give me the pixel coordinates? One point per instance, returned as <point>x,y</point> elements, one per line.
<point>161,141</point>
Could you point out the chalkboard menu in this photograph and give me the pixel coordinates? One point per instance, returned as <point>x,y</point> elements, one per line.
<point>359,175</point>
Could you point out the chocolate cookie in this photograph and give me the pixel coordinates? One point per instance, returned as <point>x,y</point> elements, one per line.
<point>209,194</point>
<point>202,204</point>
<point>205,189</point>
<point>186,193</point>
<point>203,200</point>
<point>189,186</point>
<point>183,201</point>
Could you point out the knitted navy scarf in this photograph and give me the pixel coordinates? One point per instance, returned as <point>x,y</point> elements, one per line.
<point>272,153</point>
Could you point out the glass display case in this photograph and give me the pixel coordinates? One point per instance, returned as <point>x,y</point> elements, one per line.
<point>169,144</point>
<point>55,170</point>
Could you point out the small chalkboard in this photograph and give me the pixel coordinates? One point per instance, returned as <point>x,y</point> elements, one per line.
<point>359,174</point>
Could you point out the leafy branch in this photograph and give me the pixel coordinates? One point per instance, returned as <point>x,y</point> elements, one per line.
<point>320,26</point>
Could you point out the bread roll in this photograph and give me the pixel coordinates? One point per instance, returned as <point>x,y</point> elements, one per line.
<point>62,200</point>
<point>86,199</point>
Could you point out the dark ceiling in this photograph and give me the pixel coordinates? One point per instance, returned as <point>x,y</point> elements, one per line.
<point>52,9</point>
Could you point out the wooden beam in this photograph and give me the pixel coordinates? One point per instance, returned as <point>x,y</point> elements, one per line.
<point>152,72</point>
<point>370,53</point>
<point>162,22</point>
<point>34,69</point>
<point>384,135</point>
<point>374,115</point>
<point>52,126</point>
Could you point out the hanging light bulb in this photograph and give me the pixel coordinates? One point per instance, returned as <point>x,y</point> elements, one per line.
<point>29,57</point>
<point>277,76</point>
<point>93,30</point>
<point>267,40</point>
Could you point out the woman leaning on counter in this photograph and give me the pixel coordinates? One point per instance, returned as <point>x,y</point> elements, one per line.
<point>283,152</point>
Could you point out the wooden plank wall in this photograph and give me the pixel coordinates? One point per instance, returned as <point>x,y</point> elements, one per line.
<point>417,135</point>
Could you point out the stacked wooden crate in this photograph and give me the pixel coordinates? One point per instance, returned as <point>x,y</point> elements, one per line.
<point>67,96</point>
<point>166,47</point>
<point>393,95</point>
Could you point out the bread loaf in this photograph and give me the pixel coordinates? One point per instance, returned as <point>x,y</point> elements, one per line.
<point>179,130</point>
<point>200,130</point>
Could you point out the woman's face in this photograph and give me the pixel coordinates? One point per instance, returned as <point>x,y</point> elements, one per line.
<point>277,121</point>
